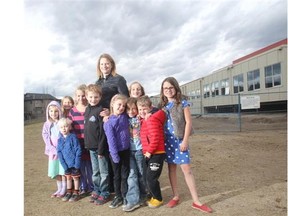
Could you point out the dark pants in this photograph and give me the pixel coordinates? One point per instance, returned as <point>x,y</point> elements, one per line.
<point>153,169</point>
<point>121,173</point>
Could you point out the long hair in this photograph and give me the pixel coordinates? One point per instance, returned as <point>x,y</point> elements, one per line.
<point>111,60</point>
<point>178,94</point>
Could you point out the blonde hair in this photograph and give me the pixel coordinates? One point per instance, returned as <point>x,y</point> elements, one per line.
<point>93,88</point>
<point>111,60</point>
<point>64,121</point>
<point>115,98</point>
<point>82,88</point>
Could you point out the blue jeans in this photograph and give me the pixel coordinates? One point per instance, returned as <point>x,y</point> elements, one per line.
<point>136,183</point>
<point>100,173</point>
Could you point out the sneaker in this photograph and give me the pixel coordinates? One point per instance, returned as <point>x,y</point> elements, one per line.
<point>117,201</point>
<point>101,200</point>
<point>129,207</point>
<point>66,197</point>
<point>172,203</point>
<point>74,197</point>
<point>93,197</point>
<point>202,208</point>
<point>154,203</point>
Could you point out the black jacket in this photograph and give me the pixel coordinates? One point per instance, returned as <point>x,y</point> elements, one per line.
<point>112,85</point>
<point>94,135</point>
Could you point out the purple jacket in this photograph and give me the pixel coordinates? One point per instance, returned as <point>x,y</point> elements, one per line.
<point>50,144</point>
<point>118,135</point>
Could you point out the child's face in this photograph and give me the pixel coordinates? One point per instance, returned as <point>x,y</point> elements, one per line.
<point>132,110</point>
<point>93,98</point>
<point>135,90</point>
<point>169,90</point>
<point>53,113</point>
<point>119,106</point>
<point>67,104</point>
<point>64,129</point>
<point>144,110</point>
<point>80,97</point>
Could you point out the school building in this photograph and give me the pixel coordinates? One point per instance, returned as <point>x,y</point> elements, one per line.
<point>260,75</point>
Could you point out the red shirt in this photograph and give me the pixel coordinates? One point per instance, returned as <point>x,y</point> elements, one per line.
<point>152,133</point>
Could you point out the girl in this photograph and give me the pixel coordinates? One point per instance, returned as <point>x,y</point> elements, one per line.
<point>177,131</point>
<point>50,135</point>
<point>118,136</point>
<point>136,90</point>
<point>76,114</point>
<point>67,103</point>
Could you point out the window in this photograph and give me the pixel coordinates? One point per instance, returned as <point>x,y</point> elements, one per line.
<point>224,87</point>
<point>198,93</point>
<point>273,75</point>
<point>207,90</point>
<point>253,80</point>
<point>215,89</point>
<point>193,95</point>
<point>238,83</point>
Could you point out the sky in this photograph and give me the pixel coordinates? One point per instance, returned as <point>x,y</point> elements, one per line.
<point>149,40</point>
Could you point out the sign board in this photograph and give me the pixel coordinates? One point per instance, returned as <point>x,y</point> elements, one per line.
<point>250,102</point>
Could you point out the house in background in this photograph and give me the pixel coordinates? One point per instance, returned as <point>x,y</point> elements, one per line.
<point>35,105</point>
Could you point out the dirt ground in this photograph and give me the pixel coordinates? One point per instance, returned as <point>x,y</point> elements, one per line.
<point>237,173</point>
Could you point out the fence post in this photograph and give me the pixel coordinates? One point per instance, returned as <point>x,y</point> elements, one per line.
<point>239,112</point>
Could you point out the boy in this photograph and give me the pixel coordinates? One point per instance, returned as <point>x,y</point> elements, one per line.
<point>152,139</point>
<point>95,141</point>
<point>69,153</point>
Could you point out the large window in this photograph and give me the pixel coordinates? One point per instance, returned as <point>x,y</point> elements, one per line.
<point>224,87</point>
<point>215,89</point>
<point>273,75</point>
<point>238,83</point>
<point>253,80</point>
<point>206,90</point>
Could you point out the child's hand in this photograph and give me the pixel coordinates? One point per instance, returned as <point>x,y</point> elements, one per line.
<point>105,112</point>
<point>105,118</point>
<point>147,155</point>
<point>184,146</point>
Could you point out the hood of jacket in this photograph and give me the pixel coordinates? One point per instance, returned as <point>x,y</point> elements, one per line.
<point>55,103</point>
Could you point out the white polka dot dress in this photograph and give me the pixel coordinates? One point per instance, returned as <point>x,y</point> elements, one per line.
<point>173,153</point>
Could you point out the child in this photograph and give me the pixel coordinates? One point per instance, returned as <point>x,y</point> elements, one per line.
<point>69,153</point>
<point>118,136</point>
<point>136,90</point>
<point>136,193</point>
<point>76,114</point>
<point>67,103</point>
<point>50,134</point>
<point>96,143</point>
<point>177,131</point>
<point>152,139</point>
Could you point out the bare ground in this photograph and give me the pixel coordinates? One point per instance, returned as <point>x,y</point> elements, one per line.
<point>237,173</point>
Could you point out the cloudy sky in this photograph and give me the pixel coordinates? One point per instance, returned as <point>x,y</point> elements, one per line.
<point>148,39</point>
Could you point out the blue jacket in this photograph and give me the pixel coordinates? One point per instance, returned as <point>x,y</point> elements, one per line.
<point>118,135</point>
<point>69,151</point>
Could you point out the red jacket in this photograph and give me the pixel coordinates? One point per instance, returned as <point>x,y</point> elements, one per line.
<point>152,133</point>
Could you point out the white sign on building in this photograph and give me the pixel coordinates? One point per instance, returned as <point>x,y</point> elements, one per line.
<point>250,102</point>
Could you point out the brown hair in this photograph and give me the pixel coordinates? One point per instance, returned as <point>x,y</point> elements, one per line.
<point>64,111</point>
<point>113,66</point>
<point>144,101</point>
<point>135,82</point>
<point>93,88</point>
<point>178,94</point>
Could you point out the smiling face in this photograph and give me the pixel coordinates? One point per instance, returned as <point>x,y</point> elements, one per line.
<point>119,106</point>
<point>136,90</point>
<point>93,98</point>
<point>169,90</point>
<point>105,66</point>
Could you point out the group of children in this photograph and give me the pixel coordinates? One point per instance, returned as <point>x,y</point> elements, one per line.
<point>135,138</point>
